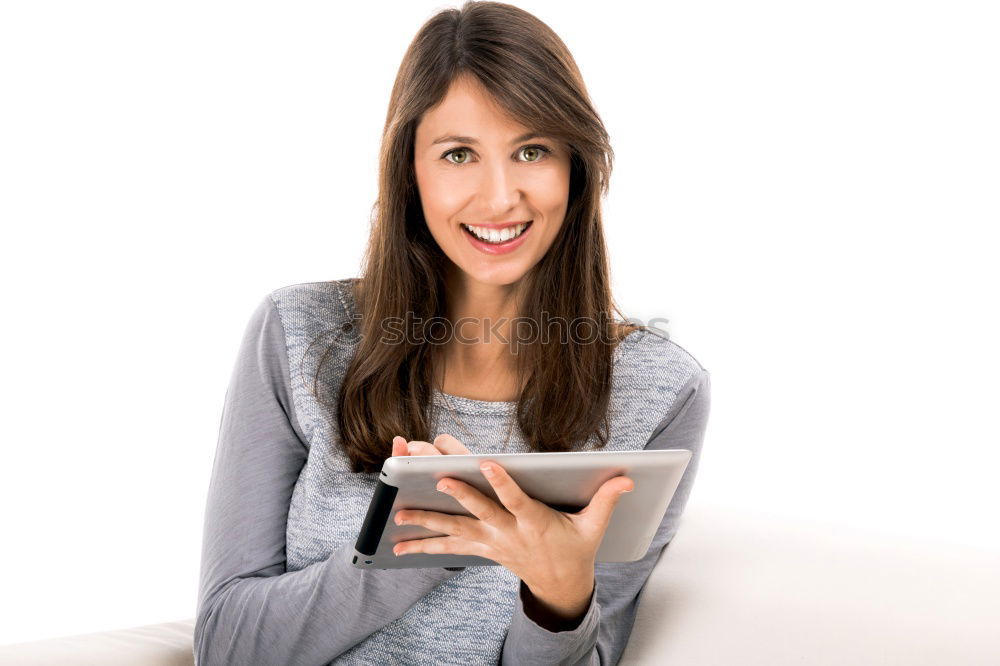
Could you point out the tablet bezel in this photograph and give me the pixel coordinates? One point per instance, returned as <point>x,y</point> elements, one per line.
<point>563,480</point>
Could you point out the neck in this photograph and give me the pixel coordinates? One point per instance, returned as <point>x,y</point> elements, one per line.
<point>479,355</point>
<point>486,306</point>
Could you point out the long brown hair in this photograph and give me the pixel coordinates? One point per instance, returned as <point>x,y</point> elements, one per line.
<point>566,386</point>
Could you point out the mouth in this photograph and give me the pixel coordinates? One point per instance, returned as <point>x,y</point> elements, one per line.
<point>497,237</point>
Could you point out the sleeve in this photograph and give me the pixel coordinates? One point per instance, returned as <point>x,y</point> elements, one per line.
<point>250,609</point>
<point>602,634</point>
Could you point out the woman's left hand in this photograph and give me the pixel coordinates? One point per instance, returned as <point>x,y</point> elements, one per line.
<point>551,551</point>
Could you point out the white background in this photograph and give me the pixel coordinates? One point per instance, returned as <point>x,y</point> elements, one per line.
<point>807,191</point>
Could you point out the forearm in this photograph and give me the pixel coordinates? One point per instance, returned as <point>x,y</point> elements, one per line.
<point>308,616</point>
<point>559,611</point>
<point>551,638</point>
<point>604,629</point>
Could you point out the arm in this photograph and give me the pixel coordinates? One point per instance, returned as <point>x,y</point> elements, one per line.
<point>250,610</point>
<point>604,629</point>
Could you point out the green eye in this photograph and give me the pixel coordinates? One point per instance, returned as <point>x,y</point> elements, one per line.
<point>457,151</point>
<point>534,154</point>
<point>540,152</point>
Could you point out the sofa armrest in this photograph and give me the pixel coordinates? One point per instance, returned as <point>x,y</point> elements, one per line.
<point>741,588</point>
<point>167,644</point>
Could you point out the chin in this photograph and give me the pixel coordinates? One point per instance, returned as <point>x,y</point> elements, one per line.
<point>497,276</point>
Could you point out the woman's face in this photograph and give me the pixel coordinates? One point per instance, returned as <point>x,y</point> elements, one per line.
<point>477,166</point>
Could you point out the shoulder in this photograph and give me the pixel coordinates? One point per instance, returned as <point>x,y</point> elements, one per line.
<point>657,378</point>
<point>654,379</point>
<point>318,323</point>
<point>331,297</point>
<point>313,308</point>
<point>652,359</point>
<point>313,323</point>
<point>655,375</point>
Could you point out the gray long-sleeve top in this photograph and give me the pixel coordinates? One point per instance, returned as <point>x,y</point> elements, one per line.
<point>284,510</point>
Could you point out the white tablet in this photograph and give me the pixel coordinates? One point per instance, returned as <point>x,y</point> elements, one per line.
<point>565,481</point>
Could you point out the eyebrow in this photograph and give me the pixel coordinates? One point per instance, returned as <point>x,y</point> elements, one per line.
<point>469,139</point>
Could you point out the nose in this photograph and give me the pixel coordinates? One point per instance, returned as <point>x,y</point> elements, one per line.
<point>499,189</point>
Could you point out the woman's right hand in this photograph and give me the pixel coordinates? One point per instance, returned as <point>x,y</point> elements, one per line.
<point>444,444</point>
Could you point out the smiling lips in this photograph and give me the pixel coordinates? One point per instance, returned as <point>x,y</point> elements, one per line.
<point>496,240</point>
<point>496,234</point>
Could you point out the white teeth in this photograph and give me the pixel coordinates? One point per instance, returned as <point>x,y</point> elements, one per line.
<point>495,235</point>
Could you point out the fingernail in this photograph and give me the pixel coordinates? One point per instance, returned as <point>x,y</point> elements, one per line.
<point>487,470</point>
<point>443,488</point>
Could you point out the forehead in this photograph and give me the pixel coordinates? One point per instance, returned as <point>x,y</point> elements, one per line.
<point>467,109</point>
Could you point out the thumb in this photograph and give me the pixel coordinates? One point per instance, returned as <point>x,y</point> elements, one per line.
<point>604,501</point>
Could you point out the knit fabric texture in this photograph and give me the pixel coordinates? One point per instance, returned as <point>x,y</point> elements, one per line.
<point>463,620</point>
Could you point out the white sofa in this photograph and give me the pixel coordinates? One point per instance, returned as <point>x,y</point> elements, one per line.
<point>734,588</point>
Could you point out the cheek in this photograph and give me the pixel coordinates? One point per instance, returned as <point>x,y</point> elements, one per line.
<point>437,198</point>
<point>552,194</point>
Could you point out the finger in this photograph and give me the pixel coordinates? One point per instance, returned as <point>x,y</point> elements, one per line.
<point>399,446</point>
<point>441,545</point>
<point>598,513</point>
<point>423,449</point>
<point>476,503</point>
<point>462,527</point>
<point>450,445</point>
<point>514,499</point>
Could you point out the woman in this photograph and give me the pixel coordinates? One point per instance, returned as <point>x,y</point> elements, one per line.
<point>489,133</point>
